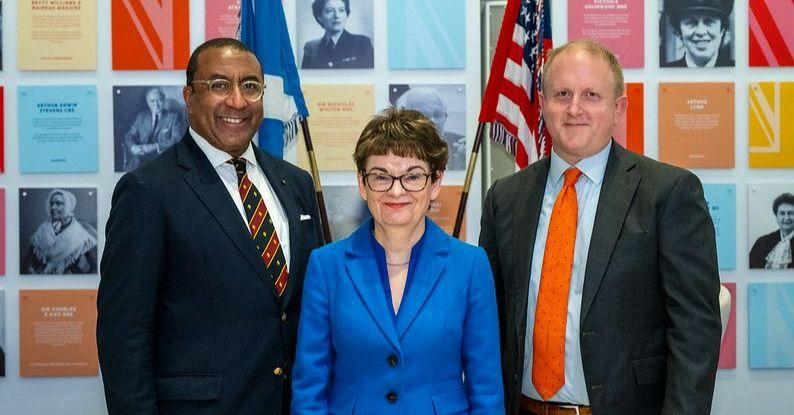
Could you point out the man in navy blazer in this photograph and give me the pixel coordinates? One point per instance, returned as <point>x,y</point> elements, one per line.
<point>190,321</point>
<point>642,327</point>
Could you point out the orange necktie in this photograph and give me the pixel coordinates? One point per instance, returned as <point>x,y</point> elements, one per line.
<point>548,343</point>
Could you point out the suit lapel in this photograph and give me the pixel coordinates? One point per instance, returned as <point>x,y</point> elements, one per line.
<point>432,261</point>
<point>362,268</point>
<point>202,178</point>
<point>621,179</point>
<point>525,224</point>
<point>281,185</point>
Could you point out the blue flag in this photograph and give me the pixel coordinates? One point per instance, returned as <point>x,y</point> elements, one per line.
<point>263,28</point>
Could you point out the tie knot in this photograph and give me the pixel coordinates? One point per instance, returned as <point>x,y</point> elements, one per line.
<point>239,166</point>
<point>571,176</point>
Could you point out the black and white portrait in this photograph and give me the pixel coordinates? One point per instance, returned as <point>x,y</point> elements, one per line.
<point>445,104</point>
<point>696,34</point>
<point>346,210</point>
<point>146,121</point>
<point>771,226</point>
<point>57,231</point>
<point>335,34</point>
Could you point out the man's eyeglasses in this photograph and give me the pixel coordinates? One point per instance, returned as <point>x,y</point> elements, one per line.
<point>250,90</point>
<point>382,182</point>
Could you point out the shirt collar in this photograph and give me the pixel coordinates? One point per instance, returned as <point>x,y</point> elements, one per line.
<point>691,63</point>
<point>593,167</point>
<point>218,157</point>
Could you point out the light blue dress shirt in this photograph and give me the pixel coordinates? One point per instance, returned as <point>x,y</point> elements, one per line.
<point>588,190</point>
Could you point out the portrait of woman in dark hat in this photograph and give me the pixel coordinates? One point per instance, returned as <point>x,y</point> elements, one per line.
<point>700,30</point>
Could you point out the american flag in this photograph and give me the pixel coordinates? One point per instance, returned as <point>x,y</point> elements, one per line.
<point>511,101</point>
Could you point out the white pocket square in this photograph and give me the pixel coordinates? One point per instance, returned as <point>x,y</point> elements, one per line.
<point>306,217</point>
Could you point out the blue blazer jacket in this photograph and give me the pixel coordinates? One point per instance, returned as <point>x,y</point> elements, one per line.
<point>354,358</point>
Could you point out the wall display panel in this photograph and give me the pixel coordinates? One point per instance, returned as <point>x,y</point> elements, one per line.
<point>2,333</point>
<point>332,35</point>
<point>57,231</point>
<point>771,325</point>
<point>696,35</point>
<point>221,19</point>
<point>771,33</point>
<point>728,346</point>
<point>445,104</point>
<point>721,200</point>
<point>630,129</point>
<point>147,120</point>
<point>770,230</point>
<point>57,333</point>
<point>427,34</point>
<point>150,35</point>
<point>618,24</point>
<point>771,127</point>
<point>57,35</point>
<point>338,114</point>
<point>696,124</point>
<point>57,129</point>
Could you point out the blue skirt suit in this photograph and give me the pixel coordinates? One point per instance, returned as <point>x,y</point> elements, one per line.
<point>439,354</point>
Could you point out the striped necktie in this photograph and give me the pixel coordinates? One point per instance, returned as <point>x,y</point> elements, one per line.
<point>260,224</point>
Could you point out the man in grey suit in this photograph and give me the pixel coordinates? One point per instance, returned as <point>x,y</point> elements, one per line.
<point>637,324</point>
<point>152,131</point>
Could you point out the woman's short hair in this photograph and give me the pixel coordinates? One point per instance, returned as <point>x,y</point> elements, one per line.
<point>319,5</point>
<point>785,198</point>
<point>404,133</point>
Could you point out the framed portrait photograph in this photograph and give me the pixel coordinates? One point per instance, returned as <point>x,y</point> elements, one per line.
<point>445,104</point>
<point>335,34</point>
<point>696,34</point>
<point>147,120</point>
<point>57,231</point>
<point>770,210</point>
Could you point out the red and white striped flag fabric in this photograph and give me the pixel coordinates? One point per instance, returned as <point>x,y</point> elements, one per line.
<point>511,102</point>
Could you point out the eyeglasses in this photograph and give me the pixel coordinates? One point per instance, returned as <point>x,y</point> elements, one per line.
<point>250,90</point>
<point>382,182</point>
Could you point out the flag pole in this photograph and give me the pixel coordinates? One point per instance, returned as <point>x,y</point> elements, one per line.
<point>464,196</point>
<point>318,188</point>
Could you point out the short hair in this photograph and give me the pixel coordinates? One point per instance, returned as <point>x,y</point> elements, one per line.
<point>155,89</point>
<point>785,198</point>
<point>319,5</point>
<point>591,48</point>
<point>217,43</point>
<point>405,133</point>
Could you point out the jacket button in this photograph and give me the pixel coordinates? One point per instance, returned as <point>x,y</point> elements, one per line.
<point>391,397</point>
<point>278,371</point>
<point>392,360</point>
<point>284,317</point>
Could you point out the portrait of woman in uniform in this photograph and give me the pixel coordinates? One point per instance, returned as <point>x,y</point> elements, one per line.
<point>337,48</point>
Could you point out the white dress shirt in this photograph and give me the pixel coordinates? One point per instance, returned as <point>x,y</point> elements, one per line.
<point>219,160</point>
<point>588,190</point>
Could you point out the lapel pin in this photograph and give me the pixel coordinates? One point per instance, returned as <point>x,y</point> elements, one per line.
<point>283,181</point>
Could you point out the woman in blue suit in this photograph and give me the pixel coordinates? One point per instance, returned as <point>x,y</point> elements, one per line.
<point>399,317</point>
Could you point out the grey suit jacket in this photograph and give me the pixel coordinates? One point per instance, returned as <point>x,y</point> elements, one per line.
<point>650,322</point>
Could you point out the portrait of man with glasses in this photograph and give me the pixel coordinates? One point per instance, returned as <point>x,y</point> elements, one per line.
<point>445,105</point>
<point>206,247</point>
